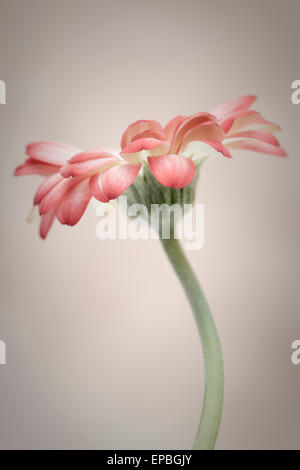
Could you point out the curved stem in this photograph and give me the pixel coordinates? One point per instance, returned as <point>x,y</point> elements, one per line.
<point>214,381</point>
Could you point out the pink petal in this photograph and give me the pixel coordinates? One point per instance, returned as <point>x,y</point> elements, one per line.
<point>153,146</point>
<point>232,106</point>
<point>143,144</point>
<point>113,182</point>
<point>56,195</point>
<point>46,223</point>
<point>259,135</point>
<point>88,167</point>
<point>138,127</point>
<point>187,124</point>
<point>32,167</point>
<point>172,126</point>
<point>94,153</point>
<point>252,119</point>
<point>159,135</point>
<point>219,147</point>
<point>46,186</point>
<point>72,208</point>
<point>258,146</point>
<point>56,153</point>
<point>229,120</point>
<point>205,131</point>
<point>173,171</point>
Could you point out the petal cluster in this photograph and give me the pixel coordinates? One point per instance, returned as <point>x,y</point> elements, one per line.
<point>72,176</point>
<point>246,128</point>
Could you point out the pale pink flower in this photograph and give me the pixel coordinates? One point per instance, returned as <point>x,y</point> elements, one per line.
<point>74,176</point>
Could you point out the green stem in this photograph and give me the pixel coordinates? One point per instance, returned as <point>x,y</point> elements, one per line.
<point>214,381</point>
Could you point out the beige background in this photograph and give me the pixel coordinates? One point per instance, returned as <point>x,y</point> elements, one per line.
<point>101,346</point>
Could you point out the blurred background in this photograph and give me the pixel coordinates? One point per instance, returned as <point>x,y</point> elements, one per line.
<point>102,350</point>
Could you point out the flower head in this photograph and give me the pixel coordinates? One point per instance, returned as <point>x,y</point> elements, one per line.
<point>73,176</point>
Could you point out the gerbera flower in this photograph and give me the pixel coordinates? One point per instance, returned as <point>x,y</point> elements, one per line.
<point>74,176</point>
